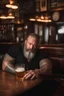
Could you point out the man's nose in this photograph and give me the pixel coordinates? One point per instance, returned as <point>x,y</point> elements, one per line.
<point>31,46</point>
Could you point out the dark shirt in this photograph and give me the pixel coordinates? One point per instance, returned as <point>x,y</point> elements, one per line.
<point>16,52</point>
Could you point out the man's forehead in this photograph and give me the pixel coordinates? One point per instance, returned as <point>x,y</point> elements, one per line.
<point>31,38</point>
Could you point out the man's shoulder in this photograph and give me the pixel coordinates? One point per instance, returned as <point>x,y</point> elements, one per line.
<point>39,51</point>
<point>42,52</point>
<point>16,47</point>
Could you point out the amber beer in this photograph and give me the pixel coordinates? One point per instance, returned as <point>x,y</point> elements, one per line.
<point>20,72</point>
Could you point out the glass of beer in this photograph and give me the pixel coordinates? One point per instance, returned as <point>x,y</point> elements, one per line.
<point>20,72</point>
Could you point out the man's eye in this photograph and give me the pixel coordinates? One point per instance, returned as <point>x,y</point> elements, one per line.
<point>30,43</point>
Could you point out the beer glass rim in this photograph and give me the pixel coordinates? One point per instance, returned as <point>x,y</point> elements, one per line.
<point>19,67</point>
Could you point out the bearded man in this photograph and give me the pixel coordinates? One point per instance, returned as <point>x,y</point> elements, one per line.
<point>35,60</point>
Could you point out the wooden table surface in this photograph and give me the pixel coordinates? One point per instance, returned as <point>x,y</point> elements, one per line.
<point>9,86</point>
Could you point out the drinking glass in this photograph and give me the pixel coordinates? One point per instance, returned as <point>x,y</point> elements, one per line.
<point>20,71</point>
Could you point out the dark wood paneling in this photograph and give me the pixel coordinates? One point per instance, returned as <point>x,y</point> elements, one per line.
<point>56,54</point>
<point>54,51</point>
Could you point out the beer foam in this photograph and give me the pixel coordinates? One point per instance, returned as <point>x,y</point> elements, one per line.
<point>20,69</point>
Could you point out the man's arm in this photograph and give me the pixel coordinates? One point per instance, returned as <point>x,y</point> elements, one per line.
<point>45,68</point>
<point>7,64</point>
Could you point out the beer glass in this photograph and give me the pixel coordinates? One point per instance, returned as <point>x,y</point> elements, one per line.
<point>20,71</point>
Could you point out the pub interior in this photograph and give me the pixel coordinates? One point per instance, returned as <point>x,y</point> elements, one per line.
<point>45,18</point>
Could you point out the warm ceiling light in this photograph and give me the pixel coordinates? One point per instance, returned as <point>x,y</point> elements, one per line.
<point>39,20</point>
<point>32,19</point>
<point>8,5</point>
<point>48,20</point>
<point>12,5</point>
<point>42,17</point>
<point>3,17</point>
<point>10,16</point>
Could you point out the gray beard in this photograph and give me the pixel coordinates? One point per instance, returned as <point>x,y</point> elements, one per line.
<point>29,55</point>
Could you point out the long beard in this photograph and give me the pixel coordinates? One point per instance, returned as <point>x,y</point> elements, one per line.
<point>28,54</point>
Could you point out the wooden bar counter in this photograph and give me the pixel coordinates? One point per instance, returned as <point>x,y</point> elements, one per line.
<point>9,86</point>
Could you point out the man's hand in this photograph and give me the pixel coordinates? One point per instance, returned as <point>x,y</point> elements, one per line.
<point>31,74</point>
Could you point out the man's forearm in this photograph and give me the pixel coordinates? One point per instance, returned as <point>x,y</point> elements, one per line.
<point>42,71</point>
<point>10,69</point>
<point>45,66</point>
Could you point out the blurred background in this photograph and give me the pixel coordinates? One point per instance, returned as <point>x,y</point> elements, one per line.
<point>18,18</point>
